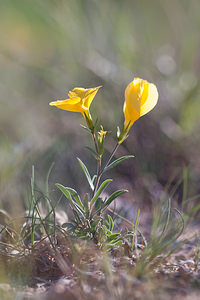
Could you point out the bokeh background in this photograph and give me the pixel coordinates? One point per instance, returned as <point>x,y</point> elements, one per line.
<point>49,47</point>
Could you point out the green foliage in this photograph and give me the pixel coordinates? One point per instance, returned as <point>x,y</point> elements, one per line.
<point>86,172</point>
<point>168,225</point>
<point>100,190</point>
<point>117,161</point>
<point>71,195</point>
<point>91,219</point>
<point>113,197</point>
<point>94,153</point>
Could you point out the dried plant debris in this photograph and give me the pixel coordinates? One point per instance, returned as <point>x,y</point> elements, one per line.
<point>80,270</point>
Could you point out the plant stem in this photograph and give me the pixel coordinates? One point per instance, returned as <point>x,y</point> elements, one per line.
<point>98,177</point>
<point>95,141</point>
<point>100,172</point>
<point>98,165</point>
<point>110,157</point>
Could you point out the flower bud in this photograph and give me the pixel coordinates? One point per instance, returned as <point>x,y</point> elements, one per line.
<point>140,98</point>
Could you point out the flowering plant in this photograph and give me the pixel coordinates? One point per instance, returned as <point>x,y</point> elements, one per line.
<point>91,218</point>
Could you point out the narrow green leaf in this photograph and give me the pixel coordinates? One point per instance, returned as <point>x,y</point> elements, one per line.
<point>94,178</point>
<point>114,244</point>
<point>100,190</point>
<point>111,224</point>
<point>113,197</point>
<point>47,179</point>
<point>98,204</point>
<point>67,193</point>
<point>117,161</point>
<point>77,217</point>
<point>78,209</point>
<point>86,172</point>
<point>108,232</point>
<point>86,128</point>
<point>118,242</point>
<point>113,237</point>
<point>75,196</point>
<point>94,224</point>
<point>134,238</point>
<point>167,219</point>
<point>86,205</point>
<point>93,152</point>
<point>97,207</point>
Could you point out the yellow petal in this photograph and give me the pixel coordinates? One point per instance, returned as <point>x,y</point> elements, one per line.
<point>130,114</point>
<point>151,100</point>
<point>73,104</point>
<point>132,103</point>
<point>89,96</point>
<point>86,95</point>
<point>71,101</point>
<point>77,92</point>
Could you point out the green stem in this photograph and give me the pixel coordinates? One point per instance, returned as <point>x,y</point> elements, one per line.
<point>98,165</point>
<point>98,177</point>
<point>95,141</point>
<point>110,158</point>
<point>100,172</point>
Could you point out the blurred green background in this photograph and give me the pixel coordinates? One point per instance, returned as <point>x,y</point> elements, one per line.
<point>49,47</point>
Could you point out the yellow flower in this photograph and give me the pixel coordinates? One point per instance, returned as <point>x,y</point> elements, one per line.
<point>79,100</point>
<point>140,98</point>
